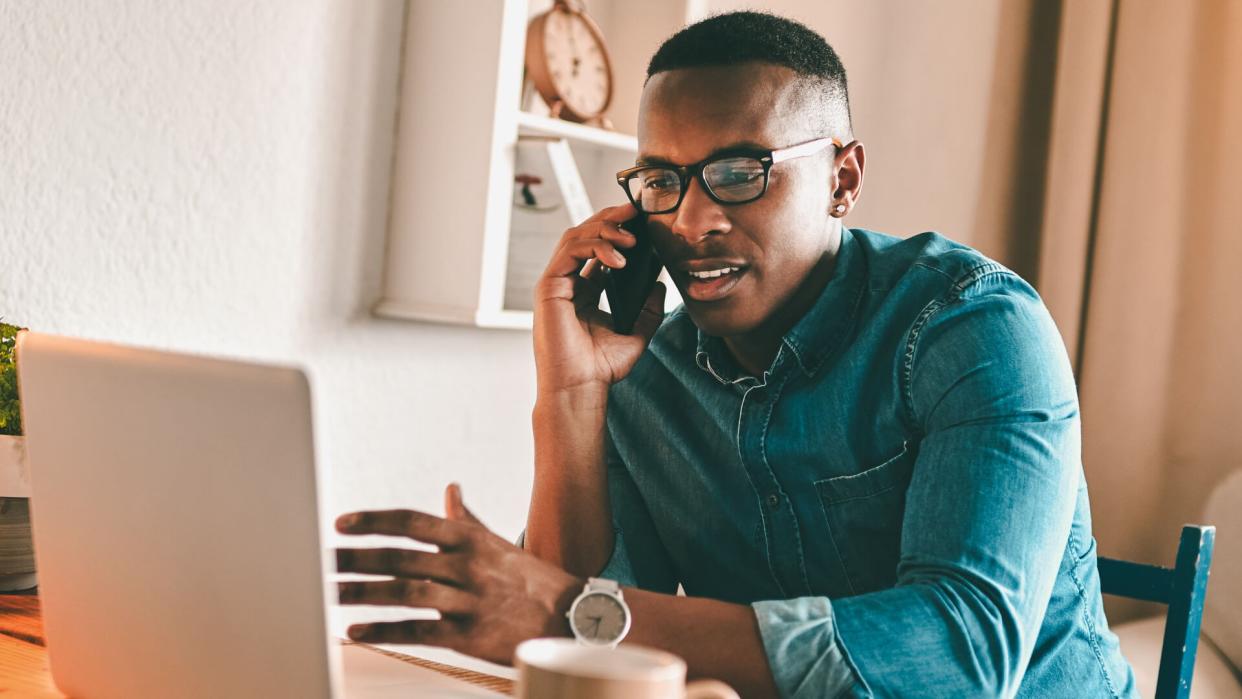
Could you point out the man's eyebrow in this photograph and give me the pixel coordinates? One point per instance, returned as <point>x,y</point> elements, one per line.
<point>731,148</point>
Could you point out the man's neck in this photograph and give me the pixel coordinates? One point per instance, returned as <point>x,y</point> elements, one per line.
<point>755,351</point>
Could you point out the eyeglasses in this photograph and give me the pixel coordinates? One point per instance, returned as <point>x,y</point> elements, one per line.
<point>728,178</point>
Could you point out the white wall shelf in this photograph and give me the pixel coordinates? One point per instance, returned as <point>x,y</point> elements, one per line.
<point>461,112</point>
<point>547,126</point>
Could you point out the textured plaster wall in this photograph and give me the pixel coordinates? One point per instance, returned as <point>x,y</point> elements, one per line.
<point>213,177</point>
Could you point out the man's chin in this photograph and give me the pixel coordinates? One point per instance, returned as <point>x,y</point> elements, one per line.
<point>721,319</point>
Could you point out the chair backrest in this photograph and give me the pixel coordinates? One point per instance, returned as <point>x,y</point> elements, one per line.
<point>1183,588</point>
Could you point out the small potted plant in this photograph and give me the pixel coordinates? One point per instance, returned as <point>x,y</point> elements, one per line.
<point>17,570</point>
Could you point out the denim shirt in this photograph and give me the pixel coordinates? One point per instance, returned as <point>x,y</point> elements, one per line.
<point>899,497</point>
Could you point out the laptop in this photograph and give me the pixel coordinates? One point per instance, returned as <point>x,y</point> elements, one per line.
<point>177,531</point>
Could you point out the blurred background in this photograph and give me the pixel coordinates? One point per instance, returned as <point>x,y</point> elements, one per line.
<point>216,177</point>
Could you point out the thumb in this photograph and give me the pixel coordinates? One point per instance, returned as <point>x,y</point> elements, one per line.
<point>455,508</point>
<point>652,315</point>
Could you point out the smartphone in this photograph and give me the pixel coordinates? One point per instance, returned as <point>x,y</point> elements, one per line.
<point>627,288</point>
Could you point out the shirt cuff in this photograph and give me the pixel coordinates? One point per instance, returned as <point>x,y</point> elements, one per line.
<point>804,652</point>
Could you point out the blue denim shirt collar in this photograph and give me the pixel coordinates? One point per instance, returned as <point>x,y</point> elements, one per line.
<point>818,335</point>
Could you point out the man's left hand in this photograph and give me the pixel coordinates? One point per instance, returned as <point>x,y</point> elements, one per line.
<point>491,595</point>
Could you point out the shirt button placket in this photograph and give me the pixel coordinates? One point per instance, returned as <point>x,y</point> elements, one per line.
<point>782,550</point>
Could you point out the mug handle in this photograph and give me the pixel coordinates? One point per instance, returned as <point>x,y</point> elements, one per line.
<point>709,689</point>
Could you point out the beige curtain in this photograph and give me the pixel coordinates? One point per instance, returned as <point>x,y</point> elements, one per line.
<point>1139,256</point>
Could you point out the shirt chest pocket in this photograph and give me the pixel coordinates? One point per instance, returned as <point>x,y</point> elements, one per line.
<point>864,512</point>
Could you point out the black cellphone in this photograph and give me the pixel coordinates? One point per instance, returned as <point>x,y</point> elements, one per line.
<point>627,288</point>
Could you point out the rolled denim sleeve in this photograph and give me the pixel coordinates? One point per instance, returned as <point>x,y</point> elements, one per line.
<point>639,558</point>
<point>804,652</point>
<point>987,516</point>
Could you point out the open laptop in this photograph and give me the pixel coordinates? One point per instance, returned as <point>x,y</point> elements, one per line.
<point>177,531</point>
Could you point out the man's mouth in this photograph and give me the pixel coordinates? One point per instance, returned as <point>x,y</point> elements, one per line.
<point>713,273</point>
<point>709,280</point>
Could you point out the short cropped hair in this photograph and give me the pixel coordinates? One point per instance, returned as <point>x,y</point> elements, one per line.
<point>746,36</point>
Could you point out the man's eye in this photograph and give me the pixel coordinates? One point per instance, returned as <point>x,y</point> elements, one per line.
<point>658,182</point>
<point>731,177</point>
<point>734,172</point>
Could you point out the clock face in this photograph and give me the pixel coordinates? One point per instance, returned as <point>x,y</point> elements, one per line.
<point>577,63</point>
<point>599,618</point>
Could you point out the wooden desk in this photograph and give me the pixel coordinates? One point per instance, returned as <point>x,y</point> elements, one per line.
<point>23,658</point>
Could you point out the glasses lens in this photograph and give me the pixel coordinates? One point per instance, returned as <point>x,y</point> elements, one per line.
<point>735,179</point>
<point>655,190</point>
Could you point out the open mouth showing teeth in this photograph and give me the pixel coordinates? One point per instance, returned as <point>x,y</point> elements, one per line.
<point>712,284</point>
<point>713,273</point>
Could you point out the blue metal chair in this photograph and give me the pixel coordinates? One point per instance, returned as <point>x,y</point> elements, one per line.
<point>1183,588</point>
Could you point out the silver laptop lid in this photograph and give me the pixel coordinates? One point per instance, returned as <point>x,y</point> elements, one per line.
<point>175,522</point>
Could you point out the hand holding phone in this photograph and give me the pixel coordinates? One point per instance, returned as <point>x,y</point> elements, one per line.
<point>576,344</point>
<point>628,287</point>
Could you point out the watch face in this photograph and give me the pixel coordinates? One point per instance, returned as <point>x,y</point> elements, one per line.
<point>599,618</point>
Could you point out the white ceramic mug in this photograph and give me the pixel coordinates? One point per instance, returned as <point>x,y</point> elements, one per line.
<point>561,668</point>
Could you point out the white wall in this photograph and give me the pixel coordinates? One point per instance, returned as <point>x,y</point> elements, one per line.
<point>212,176</point>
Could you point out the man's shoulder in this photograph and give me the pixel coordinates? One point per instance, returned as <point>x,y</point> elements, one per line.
<point>940,261</point>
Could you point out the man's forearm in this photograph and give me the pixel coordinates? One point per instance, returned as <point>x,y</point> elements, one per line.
<point>570,521</point>
<point>717,639</point>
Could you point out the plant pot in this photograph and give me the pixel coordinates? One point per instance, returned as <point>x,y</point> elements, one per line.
<point>17,569</point>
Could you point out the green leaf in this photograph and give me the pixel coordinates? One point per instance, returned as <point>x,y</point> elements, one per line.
<point>10,406</point>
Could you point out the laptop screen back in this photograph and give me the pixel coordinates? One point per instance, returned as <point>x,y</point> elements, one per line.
<point>175,523</point>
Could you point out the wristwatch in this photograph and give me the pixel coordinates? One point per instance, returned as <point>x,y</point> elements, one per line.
<point>599,616</point>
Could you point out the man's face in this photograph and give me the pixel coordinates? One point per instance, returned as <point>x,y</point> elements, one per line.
<point>685,116</point>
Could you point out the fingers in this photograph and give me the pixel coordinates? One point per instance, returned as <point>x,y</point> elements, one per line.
<point>652,315</point>
<point>590,269</point>
<point>613,214</point>
<point>400,563</point>
<point>601,227</point>
<point>569,257</point>
<point>409,523</point>
<point>455,506</point>
<point>594,230</point>
<point>587,292</point>
<point>423,632</point>
<point>407,592</point>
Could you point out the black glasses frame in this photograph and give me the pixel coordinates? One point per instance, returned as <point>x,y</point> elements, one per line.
<point>695,170</point>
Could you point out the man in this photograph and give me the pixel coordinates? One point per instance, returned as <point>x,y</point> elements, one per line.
<point>858,455</point>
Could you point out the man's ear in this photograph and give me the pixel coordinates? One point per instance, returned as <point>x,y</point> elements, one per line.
<point>847,177</point>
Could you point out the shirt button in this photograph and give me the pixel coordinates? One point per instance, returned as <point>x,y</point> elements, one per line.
<point>773,501</point>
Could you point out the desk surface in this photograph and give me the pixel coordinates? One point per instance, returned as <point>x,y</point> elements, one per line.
<point>23,657</point>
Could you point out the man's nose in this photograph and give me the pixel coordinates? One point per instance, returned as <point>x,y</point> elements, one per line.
<point>698,216</point>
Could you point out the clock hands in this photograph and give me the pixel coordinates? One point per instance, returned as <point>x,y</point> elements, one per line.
<point>573,50</point>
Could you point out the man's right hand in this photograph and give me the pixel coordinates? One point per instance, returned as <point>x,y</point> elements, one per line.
<point>575,346</point>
